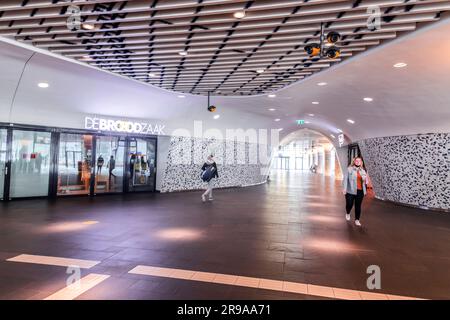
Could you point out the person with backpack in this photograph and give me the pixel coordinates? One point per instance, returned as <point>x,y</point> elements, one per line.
<point>209,172</point>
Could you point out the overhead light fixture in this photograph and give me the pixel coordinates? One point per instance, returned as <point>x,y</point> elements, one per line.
<point>322,84</point>
<point>272,95</point>
<point>181,96</point>
<point>368,99</point>
<point>183,53</point>
<point>400,65</point>
<point>88,26</point>
<point>260,71</point>
<point>272,109</point>
<point>307,122</point>
<point>311,114</point>
<point>281,129</point>
<point>333,136</point>
<point>350,121</point>
<point>152,75</point>
<point>217,116</point>
<point>315,102</point>
<point>239,14</point>
<point>43,85</point>
<point>277,120</point>
<point>339,130</point>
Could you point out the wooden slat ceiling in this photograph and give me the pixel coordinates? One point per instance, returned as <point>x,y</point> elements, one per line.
<point>142,39</point>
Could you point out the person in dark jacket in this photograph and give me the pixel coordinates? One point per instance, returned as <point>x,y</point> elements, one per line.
<point>210,164</point>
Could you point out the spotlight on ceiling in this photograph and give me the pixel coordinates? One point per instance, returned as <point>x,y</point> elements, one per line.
<point>88,26</point>
<point>181,96</point>
<point>152,75</point>
<point>239,14</point>
<point>43,85</point>
<point>311,114</point>
<point>322,84</point>
<point>313,50</point>
<point>400,65</point>
<point>277,120</point>
<point>272,95</point>
<point>217,116</point>
<point>272,109</point>
<point>350,121</point>
<point>333,52</point>
<point>368,99</point>
<point>333,136</point>
<point>212,108</point>
<point>260,71</point>
<point>333,37</point>
<point>315,102</point>
<point>183,53</point>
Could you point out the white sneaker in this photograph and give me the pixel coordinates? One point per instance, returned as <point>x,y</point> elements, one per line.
<point>358,223</point>
<point>347,217</point>
<point>203,198</point>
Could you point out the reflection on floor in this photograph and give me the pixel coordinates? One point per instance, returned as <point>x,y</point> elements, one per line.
<point>289,232</point>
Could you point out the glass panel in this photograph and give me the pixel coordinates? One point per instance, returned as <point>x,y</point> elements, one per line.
<point>109,164</point>
<point>142,160</point>
<point>3,149</point>
<point>74,164</point>
<point>30,163</point>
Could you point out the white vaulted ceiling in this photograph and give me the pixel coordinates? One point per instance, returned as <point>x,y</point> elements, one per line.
<point>143,37</point>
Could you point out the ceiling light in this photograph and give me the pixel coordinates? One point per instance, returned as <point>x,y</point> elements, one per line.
<point>307,122</point>
<point>272,109</point>
<point>183,53</point>
<point>277,120</point>
<point>260,71</point>
<point>217,116</point>
<point>272,95</point>
<point>88,26</point>
<point>400,65</point>
<point>339,130</point>
<point>333,136</point>
<point>281,129</point>
<point>152,75</point>
<point>322,84</point>
<point>315,102</point>
<point>181,96</point>
<point>350,121</point>
<point>368,99</point>
<point>43,85</point>
<point>311,114</point>
<point>239,14</point>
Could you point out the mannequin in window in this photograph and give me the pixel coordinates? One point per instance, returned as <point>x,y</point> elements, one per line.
<point>100,162</point>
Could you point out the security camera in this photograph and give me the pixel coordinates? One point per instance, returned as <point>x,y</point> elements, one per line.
<point>333,52</point>
<point>313,49</point>
<point>333,37</point>
<point>212,108</point>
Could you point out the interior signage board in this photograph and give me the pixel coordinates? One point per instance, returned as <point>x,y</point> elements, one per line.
<point>124,126</point>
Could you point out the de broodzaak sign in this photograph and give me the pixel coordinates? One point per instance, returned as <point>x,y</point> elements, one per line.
<point>125,126</point>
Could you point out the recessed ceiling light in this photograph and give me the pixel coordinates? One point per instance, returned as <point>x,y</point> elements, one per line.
<point>281,129</point>
<point>43,85</point>
<point>272,95</point>
<point>183,53</point>
<point>322,84</point>
<point>239,14</point>
<point>350,121</point>
<point>152,75</point>
<point>260,71</point>
<point>311,114</point>
<point>333,136</point>
<point>272,109</point>
<point>88,26</point>
<point>400,65</point>
<point>217,116</point>
<point>339,130</point>
<point>315,102</point>
<point>277,120</point>
<point>368,99</point>
<point>307,122</point>
<point>181,96</point>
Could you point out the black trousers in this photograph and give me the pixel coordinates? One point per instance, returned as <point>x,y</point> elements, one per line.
<point>357,199</point>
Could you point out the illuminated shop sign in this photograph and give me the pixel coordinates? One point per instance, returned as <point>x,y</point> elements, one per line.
<point>124,126</point>
<point>341,138</point>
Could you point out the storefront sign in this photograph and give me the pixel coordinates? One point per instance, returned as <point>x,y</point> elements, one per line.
<point>123,126</point>
<point>341,138</point>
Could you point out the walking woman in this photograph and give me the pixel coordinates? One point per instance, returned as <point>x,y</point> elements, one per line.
<point>209,172</point>
<point>354,188</point>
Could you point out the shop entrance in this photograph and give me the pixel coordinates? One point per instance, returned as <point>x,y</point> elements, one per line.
<point>46,162</point>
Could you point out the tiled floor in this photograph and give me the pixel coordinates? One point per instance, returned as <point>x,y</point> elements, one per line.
<point>291,231</point>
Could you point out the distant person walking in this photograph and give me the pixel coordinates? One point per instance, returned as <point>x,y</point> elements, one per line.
<point>209,172</point>
<point>354,188</point>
